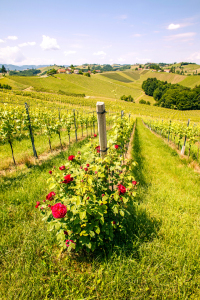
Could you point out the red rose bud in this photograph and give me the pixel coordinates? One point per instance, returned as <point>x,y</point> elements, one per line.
<point>71,157</point>
<point>44,200</point>
<point>88,165</point>
<point>116,146</point>
<point>88,198</point>
<point>79,152</point>
<point>49,205</point>
<point>134,182</point>
<point>37,204</point>
<point>65,232</point>
<point>114,222</point>
<point>62,168</point>
<point>122,189</point>
<point>95,135</point>
<point>67,179</point>
<point>95,172</point>
<point>59,210</point>
<point>81,167</point>
<point>103,195</point>
<point>50,196</point>
<point>86,169</point>
<point>50,172</point>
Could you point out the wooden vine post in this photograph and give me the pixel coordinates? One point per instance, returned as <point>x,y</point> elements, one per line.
<point>30,130</point>
<point>183,147</point>
<point>101,116</point>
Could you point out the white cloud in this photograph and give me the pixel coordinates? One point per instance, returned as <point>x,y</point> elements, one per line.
<point>195,56</point>
<point>99,53</point>
<point>181,36</point>
<point>27,44</point>
<point>12,37</point>
<point>69,52</point>
<point>49,43</point>
<point>137,35</point>
<point>173,26</point>
<point>11,55</point>
<point>1,41</point>
<point>176,26</point>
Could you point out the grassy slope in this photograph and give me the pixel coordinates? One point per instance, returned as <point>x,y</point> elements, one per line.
<point>191,81</point>
<point>18,85</point>
<point>93,86</point>
<point>162,262</point>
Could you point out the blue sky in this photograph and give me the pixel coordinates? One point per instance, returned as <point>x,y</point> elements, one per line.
<point>85,31</point>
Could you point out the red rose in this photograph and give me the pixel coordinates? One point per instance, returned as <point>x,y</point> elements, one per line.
<point>50,196</point>
<point>88,165</point>
<point>67,179</point>
<point>116,146</point>
<point>134,182</point>
<point>122,189</point>
<point>50,172</point>
<point>86,169</point>
<point>65,232</point>
<point>95,135</point>
<point>71,157</point>
<point>114,222</point>
<point>103,195</point>
<point>98,149</point>
<point>37,204</point>
<point>69,241</point>
<point>62,168</point>
<point>59,210</point>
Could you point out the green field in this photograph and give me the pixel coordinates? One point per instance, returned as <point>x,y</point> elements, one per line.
<point>133,75</point>
<point>117,77</point>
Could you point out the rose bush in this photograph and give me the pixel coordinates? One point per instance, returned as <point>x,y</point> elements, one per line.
<point>90,206</point>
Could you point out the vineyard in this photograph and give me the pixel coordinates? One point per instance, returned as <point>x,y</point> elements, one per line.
<point>116,76</point>
<point>182,134</point>
<point>87,215</point>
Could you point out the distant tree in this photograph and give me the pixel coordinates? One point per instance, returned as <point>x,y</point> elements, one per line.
<point>94,71</point>
<point>51,72</point>
<point>80,72</point>
<point>140,66</point>
<point>142,101</point>
<point>128,98</point>
<point>88,68</point>
<point>3,69</point>
<point>87,74</point>
<point>136,69</point>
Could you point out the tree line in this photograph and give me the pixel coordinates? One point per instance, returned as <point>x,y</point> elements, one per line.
<point>172,96</point>
<point>30,72</point>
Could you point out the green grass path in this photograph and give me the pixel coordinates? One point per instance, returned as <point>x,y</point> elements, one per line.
<point>170,192</point>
